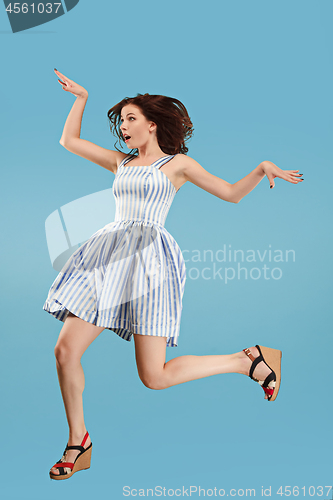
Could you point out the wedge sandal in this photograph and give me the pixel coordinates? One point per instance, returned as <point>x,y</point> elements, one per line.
<point>272,359</point>
<point>81,462</point>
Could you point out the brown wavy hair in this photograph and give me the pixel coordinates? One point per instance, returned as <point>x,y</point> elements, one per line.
<point>174,126</point>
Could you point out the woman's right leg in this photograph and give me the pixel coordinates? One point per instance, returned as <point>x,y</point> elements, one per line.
<point>75,337</point>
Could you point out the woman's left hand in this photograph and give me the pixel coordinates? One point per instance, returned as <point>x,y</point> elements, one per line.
<point>272,171</point>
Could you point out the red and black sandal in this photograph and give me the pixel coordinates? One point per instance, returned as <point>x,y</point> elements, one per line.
<point>272,359</point>
<point>81,462</point>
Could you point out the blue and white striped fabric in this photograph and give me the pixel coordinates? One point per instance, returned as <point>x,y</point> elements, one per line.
<point>130,275</point>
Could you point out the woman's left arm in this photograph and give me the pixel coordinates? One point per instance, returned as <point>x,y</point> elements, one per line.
<point>233,193</point>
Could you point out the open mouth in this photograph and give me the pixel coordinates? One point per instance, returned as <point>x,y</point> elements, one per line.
<point>126,137</point>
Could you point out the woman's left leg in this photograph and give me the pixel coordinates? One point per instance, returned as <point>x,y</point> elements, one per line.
<point>155,373</point>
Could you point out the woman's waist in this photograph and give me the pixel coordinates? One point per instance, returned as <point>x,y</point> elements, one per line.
<point>139,221</point>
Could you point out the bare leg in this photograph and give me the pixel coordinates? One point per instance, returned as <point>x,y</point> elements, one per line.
<point>75,337</point>
<point>156,374</point>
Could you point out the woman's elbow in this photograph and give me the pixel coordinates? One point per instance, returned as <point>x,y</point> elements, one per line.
<point>232,198</point>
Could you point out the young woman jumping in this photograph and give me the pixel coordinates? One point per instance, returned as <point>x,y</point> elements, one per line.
<point>129,277</point>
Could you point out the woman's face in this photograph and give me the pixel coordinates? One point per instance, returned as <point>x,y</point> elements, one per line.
<point>135,127</point>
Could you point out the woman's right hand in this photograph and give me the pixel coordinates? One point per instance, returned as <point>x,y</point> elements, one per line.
<point>70,86</point>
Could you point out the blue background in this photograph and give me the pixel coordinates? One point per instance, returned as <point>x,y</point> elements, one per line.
<point>256,78</point>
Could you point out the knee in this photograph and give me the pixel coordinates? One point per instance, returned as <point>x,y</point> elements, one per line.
<point>63,353</point>
<point>153,381</point>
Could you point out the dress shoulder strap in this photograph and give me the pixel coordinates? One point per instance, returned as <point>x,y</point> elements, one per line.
<point>161,161</point>
<point>126,160</point>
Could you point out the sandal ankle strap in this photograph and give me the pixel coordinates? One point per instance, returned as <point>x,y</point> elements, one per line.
<point>78,447</point>
<point>255,362</point>
<point>85,438</point>
<point>249,354</point>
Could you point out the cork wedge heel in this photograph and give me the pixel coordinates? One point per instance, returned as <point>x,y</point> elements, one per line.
<point>272,359</point>
<point>81,462</point>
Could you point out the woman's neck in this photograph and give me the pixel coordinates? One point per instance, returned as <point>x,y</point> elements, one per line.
<point>148,153</point>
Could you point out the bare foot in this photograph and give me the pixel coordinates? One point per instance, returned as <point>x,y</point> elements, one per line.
<point>261,371</point>
<point>71,455</point>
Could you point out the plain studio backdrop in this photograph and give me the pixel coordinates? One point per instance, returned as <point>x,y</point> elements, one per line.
<point>256,78</point>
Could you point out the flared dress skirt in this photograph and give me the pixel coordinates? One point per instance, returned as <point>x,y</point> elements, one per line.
<point>129,277</point>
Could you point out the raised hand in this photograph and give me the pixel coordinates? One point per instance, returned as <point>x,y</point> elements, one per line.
<point>70,86</point>
<point>271,170</point>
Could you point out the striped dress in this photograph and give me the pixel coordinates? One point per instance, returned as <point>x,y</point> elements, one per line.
<point>130,275</point>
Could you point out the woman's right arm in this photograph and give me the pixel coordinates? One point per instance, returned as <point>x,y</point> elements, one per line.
<point>70,138</point>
